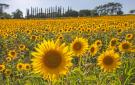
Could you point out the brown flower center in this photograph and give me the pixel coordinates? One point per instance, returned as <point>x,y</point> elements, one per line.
<point>20,66</point>
<point>92,49</point>
<point>129,36</point>
<point>77,46</point>
<point>1,68</point>
<point>27,67</point>
<point>21,46</point>
<point>119,30</point>
<point>52,59</point>
<point>113,42</point>
<point>108,60</point>
<point>12,53</point>
<point>125,46</point>
<point>98,43</point>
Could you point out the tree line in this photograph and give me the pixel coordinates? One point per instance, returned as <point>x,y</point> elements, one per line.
<point>52,12</point>
<point>110,8</point>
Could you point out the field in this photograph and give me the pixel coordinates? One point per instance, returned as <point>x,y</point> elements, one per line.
<point>68,51</point>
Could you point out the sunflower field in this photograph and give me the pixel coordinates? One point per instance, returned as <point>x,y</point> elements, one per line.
<point>68,51</point>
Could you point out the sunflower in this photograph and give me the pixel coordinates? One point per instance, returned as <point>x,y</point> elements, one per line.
<point>20,66</point>
<point>93,49</point>
<point>22,47</point>
<point>79,46</point>
<point>119,31</point>
<point>133,50</point>
<point>103,30</point>
<point>129,36</point>
<point>60,36</point>
<point>109,61</point>
<point>27,66</point>
<point>28,32</point>
<point>8,59</point>
<point>34,37</point>
<point>51,60</point>
<point>113,43</point>
<point>12,54</point>
<point>125,46</point>
<point>7,72</point>
<point>2,67</point>
<point>98,42</point>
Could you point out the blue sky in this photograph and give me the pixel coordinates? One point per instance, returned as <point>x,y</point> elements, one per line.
<point>75,4</point>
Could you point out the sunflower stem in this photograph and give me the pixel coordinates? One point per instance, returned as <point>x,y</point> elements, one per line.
<point>80,61</point>
<point>8,82</point>
<point>50,82</point>
<point>62,80</point>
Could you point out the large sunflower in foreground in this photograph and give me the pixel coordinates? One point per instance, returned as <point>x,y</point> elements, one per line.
<point>109,61</point>
<point>51,60</point>
<point>79,46</point>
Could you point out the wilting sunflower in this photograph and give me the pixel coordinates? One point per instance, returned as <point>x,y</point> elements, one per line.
<point>51,60</point>
<point>98,42</point>
<point>109,61</point>
<point>129,36</point>
<point>2,67</point>
<point>93,49</point>
<point>125,46</point>
<point>79,46</point>
<point>12,54</point>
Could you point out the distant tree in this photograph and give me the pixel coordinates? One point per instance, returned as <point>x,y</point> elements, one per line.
<point>94,13</point>
<point>85,12</point>
<point>132,11</point>
<point>5,16</point>
<point>59,11</point>
<point>99,9</point>
<point>53,12</point>
<point>63,10</point>
<point>27,13</point>
<point>31,12</point>
<point>35,12</point>
<point>71,13</point>
<point>2,13</point>
<point>49,12</point>
<point>2,7</point>
<point>120,12</point>
<point>110,8</point>
<point>18,14</point>
<point>45,13</point>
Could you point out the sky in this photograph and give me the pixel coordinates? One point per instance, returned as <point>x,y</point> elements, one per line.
<point>75,4</point>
